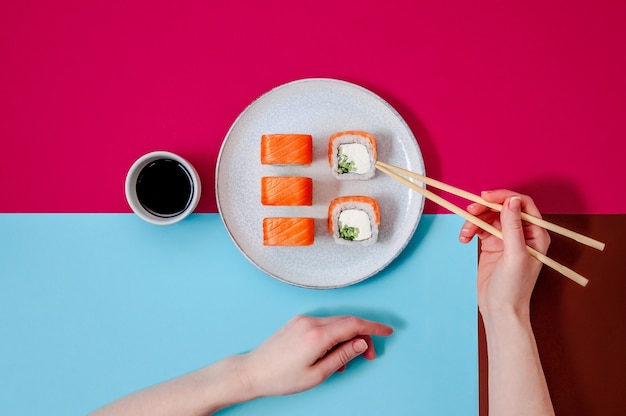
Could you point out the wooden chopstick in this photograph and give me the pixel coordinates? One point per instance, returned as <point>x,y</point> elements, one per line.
<point>565,271</point>
<point>583,239</point>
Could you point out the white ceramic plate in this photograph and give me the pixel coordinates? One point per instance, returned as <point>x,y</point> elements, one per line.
<point>318,107</point>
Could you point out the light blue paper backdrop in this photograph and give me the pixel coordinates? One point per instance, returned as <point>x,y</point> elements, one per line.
<point>96,306</point>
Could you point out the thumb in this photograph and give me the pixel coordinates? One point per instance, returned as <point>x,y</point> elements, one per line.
<point>341,355</point>
<point>512,230</point>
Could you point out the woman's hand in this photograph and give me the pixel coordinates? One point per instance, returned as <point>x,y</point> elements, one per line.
<point>307,351</point>
<point>506,272</point>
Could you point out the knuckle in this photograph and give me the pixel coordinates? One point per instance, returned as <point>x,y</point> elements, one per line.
<point>344,356</point>
<point>300,319</point>
<point>318,333</point>
<point>545,241</point>
<point>315,335</point>
<point>350,319</point>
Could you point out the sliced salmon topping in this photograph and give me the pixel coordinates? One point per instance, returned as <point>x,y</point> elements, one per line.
<point>286,149</point>
<point>286,190</point>
<point>282,231</point>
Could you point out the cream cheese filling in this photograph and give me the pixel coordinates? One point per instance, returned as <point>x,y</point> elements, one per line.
<point>358,155</point>
<point>358,220</point>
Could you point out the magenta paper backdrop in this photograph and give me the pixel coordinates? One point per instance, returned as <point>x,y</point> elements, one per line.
<point>528,95</point>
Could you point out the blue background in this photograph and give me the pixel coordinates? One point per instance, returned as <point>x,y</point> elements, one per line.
<point>96,306</point>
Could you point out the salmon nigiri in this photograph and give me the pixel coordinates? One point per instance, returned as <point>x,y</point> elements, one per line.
<point>286,190</point>
<point>286,149</point>
<point>282,231</point>
<point>354,220</point>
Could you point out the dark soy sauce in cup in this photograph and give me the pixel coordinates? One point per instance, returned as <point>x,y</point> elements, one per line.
<point>164,188</point>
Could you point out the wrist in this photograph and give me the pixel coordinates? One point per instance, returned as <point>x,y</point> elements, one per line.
<point>226,383</point>
<point>243,379</point>
<point>247,381</point>
<point>505,315</point>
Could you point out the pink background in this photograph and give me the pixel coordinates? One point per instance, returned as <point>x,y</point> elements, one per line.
<point>527,95</point>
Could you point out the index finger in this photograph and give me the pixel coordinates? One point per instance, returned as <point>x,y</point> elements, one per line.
<point>342,328</point>
<point>500,195</point>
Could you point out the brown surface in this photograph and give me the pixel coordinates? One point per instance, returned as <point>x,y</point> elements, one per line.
<point>580,331</point>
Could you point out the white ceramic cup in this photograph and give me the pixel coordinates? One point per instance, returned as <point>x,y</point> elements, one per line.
<point>131,188</point>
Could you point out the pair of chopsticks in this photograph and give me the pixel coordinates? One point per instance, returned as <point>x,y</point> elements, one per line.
<point>397,174</point>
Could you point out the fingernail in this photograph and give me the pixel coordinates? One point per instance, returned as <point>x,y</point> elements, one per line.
<point>486,192</point>
<point>359,346</point>
<point>515,203</point>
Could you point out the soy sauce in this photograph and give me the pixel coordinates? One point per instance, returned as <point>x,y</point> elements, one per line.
<point>164,188</point>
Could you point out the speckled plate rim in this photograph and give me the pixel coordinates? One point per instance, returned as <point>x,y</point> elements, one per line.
<point>229,189</point>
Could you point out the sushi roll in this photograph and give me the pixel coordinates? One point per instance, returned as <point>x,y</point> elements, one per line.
<point>286,190</point>
<point>352,155</point>
<point>286,149</point>
<point>282,231</point>
<point>354,220</point>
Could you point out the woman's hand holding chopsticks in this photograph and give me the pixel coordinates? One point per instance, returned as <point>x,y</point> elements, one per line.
<point>506,273</point>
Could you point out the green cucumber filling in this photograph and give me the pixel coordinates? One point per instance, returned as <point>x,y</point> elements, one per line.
<point>348,233</point>
<point>345,165</point>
